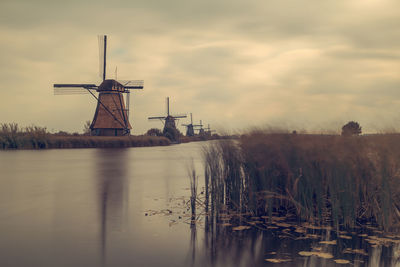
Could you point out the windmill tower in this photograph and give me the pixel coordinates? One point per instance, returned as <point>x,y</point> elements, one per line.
<point>190,127</point>
<point>111,117</point>
<point>169,120</point>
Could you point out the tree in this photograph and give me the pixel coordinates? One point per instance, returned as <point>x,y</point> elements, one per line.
<point>154,132</point>
<point>172,133</point>
<point>351,128</point>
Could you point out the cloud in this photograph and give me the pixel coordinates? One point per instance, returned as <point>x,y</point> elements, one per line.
<point>232,63</point>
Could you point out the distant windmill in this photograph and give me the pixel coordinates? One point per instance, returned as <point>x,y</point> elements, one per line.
<point>112,115</point>
<point>169,120</point>
<point>208,130</point>
<point>190,127</point>
<point>201,129</point>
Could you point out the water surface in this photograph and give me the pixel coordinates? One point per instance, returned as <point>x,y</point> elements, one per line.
<point>127,207</point>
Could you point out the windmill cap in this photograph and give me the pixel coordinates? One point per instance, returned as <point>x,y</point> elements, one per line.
<point>111,85</point>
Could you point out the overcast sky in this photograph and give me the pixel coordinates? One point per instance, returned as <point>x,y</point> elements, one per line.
<point>306,64</point>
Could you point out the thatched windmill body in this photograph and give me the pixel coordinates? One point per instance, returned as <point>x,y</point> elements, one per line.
<point>169,121</point>
<point>191,127</point>
<point>111,117</point>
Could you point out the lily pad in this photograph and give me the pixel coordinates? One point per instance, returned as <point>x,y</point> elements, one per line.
<point>241,228</point>
<point>278,260</point>
<point>331,242</point>
<point>324,255</point>
<point>340,261</point>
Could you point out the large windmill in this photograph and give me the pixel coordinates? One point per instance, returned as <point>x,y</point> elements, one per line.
<point>190,127</point>
<point>169,120</point>
<point>112,114</point>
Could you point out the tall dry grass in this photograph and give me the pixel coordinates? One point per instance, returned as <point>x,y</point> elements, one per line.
<point>326,179</point>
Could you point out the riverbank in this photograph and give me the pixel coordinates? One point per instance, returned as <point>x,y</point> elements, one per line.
<point>57,142</point>
<point>12,137</point>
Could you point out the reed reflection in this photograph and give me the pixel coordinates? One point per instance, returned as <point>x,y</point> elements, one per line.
<point>283,243</point>
<point>112,193</point>
<point>224,247</point>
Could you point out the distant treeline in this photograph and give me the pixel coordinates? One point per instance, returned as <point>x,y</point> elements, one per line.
<point>34,137</point>
<point>343,181</point>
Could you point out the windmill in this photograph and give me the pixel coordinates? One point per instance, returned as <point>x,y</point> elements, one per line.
<point>201,129</point>
<point>112,114</point>
<point>208,131</point>
<point>190,127</point>
<point>169,120</point>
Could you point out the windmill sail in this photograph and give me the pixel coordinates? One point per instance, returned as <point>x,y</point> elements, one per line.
<point>132,84</point>
<point>71,89</point>
<point>102,56</point>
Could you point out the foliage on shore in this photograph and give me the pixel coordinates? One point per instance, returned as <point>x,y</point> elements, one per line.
<point>342,181</point>
<point>34,137</point>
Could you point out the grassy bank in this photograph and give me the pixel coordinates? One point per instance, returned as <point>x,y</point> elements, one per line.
<point>324,179</point>
<point>33,137</point>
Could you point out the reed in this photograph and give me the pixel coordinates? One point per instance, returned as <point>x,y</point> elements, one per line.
<point>325,179</point>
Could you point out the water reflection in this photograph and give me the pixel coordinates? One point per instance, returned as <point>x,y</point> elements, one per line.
<point>223,247</point>
<point>112,193</point>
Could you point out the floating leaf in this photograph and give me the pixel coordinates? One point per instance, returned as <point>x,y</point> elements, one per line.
<point>241,228</point>
<point>285,225</point>
<point>255,222</point>
<point>340,261</point>
<point>277,260</point>
<point>355,251</point>
<point>324,255</point>
<point>331,242</point>
<point>306,253</point>
<point>300,230</point>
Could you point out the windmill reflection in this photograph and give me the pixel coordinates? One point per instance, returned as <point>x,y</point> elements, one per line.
<point>112,193</point>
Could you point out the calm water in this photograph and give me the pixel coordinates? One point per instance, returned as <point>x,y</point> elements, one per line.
<point>126,207</point>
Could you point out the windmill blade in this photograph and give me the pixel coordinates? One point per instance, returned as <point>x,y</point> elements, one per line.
<point>102,55</point>
<point>156,118</point>
<point>132,84</point>
<point>167,105</point>
<point>73,89</point>
<point>179,116</point>
<point>75,85</point>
